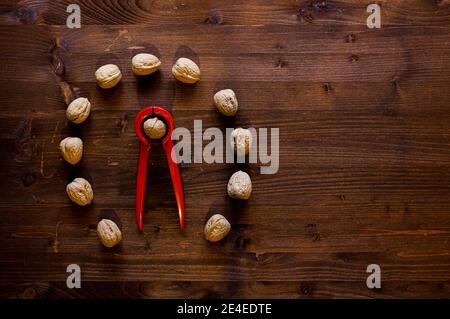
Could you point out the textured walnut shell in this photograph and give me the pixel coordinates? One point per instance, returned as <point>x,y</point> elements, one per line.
<point>80,191</point>
<point>108,76</point>
<point>109,233</point>
<point>239,186</point>
<point>186,71</point>
<point>78,110</point>
<point>71,149</point>
<point>241,141</point>
<point>145,64</point>
<point>216,228</point>
<point>154,128</point>
<point>226,102</point>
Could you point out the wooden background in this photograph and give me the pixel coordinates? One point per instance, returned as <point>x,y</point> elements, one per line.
<point>364,118</point>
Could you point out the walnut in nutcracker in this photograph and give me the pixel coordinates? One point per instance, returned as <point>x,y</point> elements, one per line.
<point>216,228</point>
<point>78,110</point>
<point>239,186</point>
<point>186,71</point>
<point>71,149</point>
<point>109,233</point>
<point>155,128</point>
<point>80,191</point>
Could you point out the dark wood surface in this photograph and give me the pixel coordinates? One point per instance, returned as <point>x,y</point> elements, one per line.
<point>364,118</point>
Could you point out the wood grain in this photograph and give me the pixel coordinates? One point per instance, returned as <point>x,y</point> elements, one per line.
<point>208,289</point>
<point>364,149</point>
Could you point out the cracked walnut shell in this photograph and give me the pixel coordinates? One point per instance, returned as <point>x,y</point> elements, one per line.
<point>186,71</point>
<point>154,128</point>
<point>226,102</point>
<point>216,228</point>
<point>241,141</point>
<point>78,110</point>
<point>80,191</point>
<point>108,76</point>
<point>239,186</point>
<point>145,64</point>
<point>109,233</point>
<point>71,149</point>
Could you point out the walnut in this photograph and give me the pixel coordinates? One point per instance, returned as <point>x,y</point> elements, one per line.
<point>239,186</point>
<point>80,191</point>
<point>226,102</point>
<point>109,233</point>
<point>216,228</point>
<point>145,64</point>
<point>71,149</point>
<point>186,71</point>
<point>108,76</point>
<point>241,141</point>
<point>78,110</point>
<point>154,128</point>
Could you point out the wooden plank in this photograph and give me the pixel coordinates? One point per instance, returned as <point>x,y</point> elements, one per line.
<point>211,12</point>
<point>207,289</point>
<point>345,267</point>
<point>304,100</point>
<point>316,62</point>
